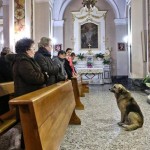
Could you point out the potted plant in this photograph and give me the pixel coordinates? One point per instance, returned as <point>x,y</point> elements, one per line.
<point>146,81</point>
<point>106,61</point>
<point>99,56</point>
<point>81,56</point>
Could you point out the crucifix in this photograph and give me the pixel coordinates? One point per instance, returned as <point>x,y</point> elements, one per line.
<point>89,45</point>
<point>89,50</point>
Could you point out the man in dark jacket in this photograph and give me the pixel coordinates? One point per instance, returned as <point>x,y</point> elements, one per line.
<point>43,57</point>
<point>60,59</point>
<point>5,66</point>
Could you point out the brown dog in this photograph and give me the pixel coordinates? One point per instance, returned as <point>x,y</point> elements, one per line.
<point>131,115</point>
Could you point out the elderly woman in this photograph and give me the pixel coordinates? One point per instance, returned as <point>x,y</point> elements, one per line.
<point>27,73</point>
<point>43,57</point>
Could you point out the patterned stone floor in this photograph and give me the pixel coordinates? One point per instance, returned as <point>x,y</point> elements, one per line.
<point>99,129</point>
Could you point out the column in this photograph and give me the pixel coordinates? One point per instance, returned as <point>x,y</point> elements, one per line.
<point>42,20</point>
<point>58,32</point>
<point>122,56</point>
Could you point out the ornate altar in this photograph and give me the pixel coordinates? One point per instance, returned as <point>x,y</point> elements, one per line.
<point>89,28</point>
<point>91,67</point>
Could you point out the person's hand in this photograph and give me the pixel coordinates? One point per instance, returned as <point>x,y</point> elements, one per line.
<point>46,76</point>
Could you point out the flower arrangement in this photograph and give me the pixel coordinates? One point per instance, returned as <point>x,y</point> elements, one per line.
<point>74,62</point>
<point>89,64</point>
<point>81,56</point>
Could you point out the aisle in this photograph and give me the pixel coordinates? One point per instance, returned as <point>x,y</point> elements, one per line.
<point>99,129</point>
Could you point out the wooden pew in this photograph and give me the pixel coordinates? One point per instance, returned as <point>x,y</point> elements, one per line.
<point>77,88</point>
<point>85,85</point>
<point>45,115</point>
<point>8,119</point>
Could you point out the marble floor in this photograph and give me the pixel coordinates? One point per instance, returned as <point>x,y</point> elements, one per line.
<point>99,129</point>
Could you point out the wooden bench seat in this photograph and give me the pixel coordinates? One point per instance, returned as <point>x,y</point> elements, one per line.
<point>45,115</point>
<point>8,119</point>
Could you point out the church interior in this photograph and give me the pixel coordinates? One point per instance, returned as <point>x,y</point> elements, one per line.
<point>111,41</point>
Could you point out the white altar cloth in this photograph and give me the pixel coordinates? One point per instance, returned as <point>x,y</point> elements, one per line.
<point>90,73</point>
<point>90,70</point>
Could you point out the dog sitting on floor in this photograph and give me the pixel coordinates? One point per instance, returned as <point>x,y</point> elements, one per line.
<point>131,115</point>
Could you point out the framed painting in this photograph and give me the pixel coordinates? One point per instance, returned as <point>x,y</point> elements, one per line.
<point>89,35</point>
<point>58,47</point>
<point>121,46</point>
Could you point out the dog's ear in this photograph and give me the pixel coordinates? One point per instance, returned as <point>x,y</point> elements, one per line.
<point>123,90</point>
<point>120,90</point>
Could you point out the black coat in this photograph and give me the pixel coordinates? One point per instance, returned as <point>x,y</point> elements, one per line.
<point>5,70</point>
<point>68,69</point>
<point>43,58</point>
<point>27,75</point>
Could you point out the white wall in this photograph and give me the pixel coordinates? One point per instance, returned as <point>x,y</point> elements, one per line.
<point>42,21</point>
<point>138,65</point>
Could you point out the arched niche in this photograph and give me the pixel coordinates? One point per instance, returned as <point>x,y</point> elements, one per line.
<point>93,18</point>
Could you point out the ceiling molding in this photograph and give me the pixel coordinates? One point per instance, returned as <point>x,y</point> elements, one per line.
<point>122,21</point>
<point>60,6</point>
<point>41,1</point>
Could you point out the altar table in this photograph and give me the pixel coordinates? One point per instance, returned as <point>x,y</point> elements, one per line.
<point>87,72</point>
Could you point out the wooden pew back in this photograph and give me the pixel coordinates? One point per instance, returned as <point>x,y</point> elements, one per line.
<point>7,119</point>
<point>77,88</point>
<point>45,115</point>
<point>6,88</point>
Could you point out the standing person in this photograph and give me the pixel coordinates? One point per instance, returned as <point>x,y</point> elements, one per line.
<point>69,65</point>
<point>43,57</point>
<point>27,73</point>
<point>60,59</point>
<point>5,66</point>
<point>73,55</point>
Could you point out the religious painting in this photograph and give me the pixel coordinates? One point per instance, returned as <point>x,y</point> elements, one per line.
<point>121,46</point>
<point>89,35</point>
<point>19,16</point>
<point>58,47</point>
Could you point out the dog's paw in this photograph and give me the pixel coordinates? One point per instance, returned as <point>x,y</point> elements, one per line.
<point>120,123</point>
<point>126,127</point>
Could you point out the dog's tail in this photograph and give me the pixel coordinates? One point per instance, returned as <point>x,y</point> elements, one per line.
<point>131,127</point>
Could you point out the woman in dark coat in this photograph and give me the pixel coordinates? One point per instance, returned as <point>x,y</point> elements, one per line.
<point>43,57</point>
<point>27,73</point>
